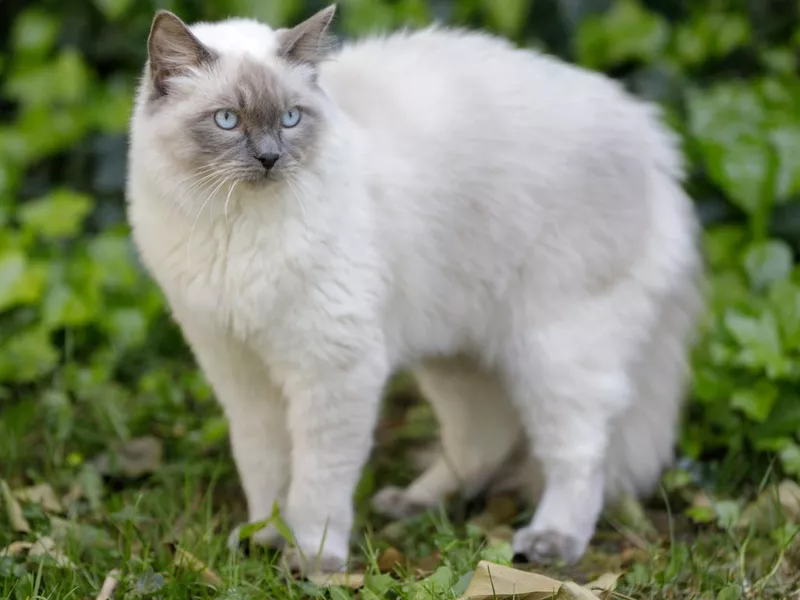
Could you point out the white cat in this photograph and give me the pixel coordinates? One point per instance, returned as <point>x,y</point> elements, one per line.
<point>510,227</point>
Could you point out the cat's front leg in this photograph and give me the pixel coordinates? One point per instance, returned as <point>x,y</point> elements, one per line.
<point>332,414</point>
<point>256,414</point>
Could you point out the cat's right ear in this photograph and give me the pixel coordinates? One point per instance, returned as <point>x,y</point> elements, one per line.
<point>171,48</point>
<point>309,41</point>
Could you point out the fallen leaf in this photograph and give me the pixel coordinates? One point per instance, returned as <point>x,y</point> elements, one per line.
<point>18,521</point>
<point>496,582</point>
<point>186,560</point>
<point>348,580</point>
<point>628,514</point>
<point>47,547</point>
<point>499,510</point>
<point>572,591</point>
<point>16,549</point>
<point>772,508</point>
<point>41,494</point>
<point>498,535</point>
<point>428,564</point>
<point>109,585</point>
<point>132,459</point>
<point>389,559</point>
<point>604,585</point>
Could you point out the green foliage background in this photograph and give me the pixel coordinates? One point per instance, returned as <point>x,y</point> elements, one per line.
<point>87,352</point>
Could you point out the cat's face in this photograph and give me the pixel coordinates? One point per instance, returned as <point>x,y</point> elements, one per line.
<point>226,116</point>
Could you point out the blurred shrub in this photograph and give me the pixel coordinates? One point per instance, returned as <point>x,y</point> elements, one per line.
<point>83,332</point>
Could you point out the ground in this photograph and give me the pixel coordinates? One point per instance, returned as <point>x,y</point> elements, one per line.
<point>154,513</point>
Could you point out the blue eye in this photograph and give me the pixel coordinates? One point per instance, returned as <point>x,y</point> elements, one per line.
<point>290,118</point>
<point>226,118</point>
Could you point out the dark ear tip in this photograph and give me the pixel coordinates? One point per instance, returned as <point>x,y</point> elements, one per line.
<point>162,14</point>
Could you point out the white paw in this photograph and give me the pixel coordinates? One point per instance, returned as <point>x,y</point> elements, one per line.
<point>267,537</point>
<point>394,502</point>
<point>326,561</point>
<point>546,546</point>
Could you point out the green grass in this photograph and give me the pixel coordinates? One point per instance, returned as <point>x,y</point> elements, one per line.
<point>192,499</point>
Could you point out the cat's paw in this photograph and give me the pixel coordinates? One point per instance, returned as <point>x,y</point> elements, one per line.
<point>298,561</point>
<point>267,537</point>
<point>548,546</point>
<point>393,502</point>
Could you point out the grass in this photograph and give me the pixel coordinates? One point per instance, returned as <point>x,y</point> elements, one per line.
<point>188,499</point>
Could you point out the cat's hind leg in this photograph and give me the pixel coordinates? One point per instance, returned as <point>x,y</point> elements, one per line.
<point>570,377</point>
<point>478,427</point>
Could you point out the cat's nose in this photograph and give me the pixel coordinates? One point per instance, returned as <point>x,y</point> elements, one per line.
<point>268,160</point>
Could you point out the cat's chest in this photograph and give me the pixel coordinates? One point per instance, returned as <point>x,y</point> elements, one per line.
<point>234,274</point>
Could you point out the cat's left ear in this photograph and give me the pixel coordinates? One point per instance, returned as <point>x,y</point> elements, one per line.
<point>309,41</point>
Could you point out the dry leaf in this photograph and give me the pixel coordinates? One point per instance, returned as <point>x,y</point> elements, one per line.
<point>46,546</point>
<point>772,507</point>
<point>132,459</point>
<point>427,565</point>
<point>572,591</point>
<point>348,580</point>
<point>187,560</point>
<point>18,521</point>
<point>498,535</point>
<point>16,548</point>
<point>41,494</point>
<point>389,559</point>
<point>497,582</point>
<point>109,585</point>
<point>604,585</point>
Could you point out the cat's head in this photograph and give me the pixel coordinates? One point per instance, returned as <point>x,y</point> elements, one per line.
<point>234,100</point>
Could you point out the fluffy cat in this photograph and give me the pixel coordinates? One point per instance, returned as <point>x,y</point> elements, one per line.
<point>510,227</point>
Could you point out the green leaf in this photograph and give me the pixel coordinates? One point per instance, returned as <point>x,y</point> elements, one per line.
<point>21,281</point>
<point>728,512</point>
<point>730,592</point>
<point>785,139</point>
<point>508,16</point>
<point>63,307</point>
<point>65,80</point>
<point>785,301</point>
<point>27,355</point>
<point>710,35</point>
<point>768,262</point>
<point>35,32</point>
<point>627,32</point>
<point>760,341</point>
<point>790,459</point>
<point>113,9</point>
<point>60,214</point>
<point>756,402</point>
<point>728,122</point>
<point>113,255</point>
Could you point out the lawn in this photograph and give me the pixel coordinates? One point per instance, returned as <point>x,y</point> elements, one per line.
<point>153,514</point>
<point>114,456</point>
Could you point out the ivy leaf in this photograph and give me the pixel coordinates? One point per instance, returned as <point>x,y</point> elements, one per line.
<point>785,301</point>
<point>785,139</point>
<point>27,355</point>
<point>768,262</point>
<point>113,9</point>
<point>35,32</point>
<point>756,402</point>
<point>627,32</point>
<point>63,307</point>
<point>508,16</point>
<point>60,214</point>
<point>760,341</point>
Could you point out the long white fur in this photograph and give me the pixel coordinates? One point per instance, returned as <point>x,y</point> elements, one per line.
<point>511,227</point>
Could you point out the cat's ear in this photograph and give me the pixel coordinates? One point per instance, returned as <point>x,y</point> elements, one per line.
<point>309,41</point>
<point>172,47</point>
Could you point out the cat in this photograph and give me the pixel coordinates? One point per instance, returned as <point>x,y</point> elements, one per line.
<point>510,227</point>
